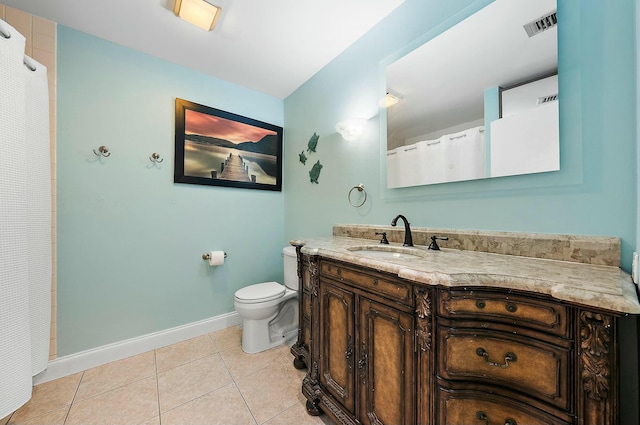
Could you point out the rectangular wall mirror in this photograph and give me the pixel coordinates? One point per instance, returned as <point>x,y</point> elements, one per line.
<point>479,100</point>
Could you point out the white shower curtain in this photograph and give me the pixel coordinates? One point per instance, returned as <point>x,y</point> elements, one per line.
<point>38,211</point>
<point>25,220</point>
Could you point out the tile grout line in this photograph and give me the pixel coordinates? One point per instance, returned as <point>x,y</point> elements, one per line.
<point>235,384</point>
<point>73,399</point>
<point>155,362</point>
<point>282,357</point>
<point>110,389</point>
<point>202,395</point>
<point>245,401</point>
<point>190,361</point>
<point>286,361</point>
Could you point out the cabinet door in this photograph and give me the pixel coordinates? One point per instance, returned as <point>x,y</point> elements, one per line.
<point>337,343</point>
<point>385,365</point>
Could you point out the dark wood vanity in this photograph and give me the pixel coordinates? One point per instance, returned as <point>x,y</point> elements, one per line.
<point>381,349</point>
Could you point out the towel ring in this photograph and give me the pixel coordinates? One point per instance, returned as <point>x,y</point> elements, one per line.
<point>360,188</point>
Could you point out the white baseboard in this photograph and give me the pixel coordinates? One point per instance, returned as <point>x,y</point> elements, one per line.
<point>68,365</point>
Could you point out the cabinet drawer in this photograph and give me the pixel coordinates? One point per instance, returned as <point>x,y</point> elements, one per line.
<point>536,368</point>
<point>517,310</point>
<point>467,407</point>
<point>373,282</point>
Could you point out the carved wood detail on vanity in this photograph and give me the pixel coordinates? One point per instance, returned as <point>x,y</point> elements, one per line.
<point>299,263</point>
<point>314,275</point>
<point>451,355</point>
<point>595,340</point>
<point>597,354</point>
<point>423,317</point>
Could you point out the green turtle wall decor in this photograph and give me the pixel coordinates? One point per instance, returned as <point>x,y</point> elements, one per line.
<point>303,157</point>
<point>313,142</point>
<point>314,173</point>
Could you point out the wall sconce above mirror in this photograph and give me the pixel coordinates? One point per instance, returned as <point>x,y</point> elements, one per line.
<point>470,104</point>
<point>389,100</point>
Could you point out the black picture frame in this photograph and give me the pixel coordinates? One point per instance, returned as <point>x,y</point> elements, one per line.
<point>219,148</point>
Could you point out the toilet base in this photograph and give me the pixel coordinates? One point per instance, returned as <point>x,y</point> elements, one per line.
<point>252,346</point>
<point>261,335</point>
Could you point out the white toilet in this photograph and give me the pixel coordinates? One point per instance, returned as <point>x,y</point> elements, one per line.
<point>269,310</point>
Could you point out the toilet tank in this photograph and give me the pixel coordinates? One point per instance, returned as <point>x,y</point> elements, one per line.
<point>290,267</point>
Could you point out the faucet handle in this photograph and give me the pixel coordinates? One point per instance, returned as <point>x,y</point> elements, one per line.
<point>384,239</point>
<point>434,245</point>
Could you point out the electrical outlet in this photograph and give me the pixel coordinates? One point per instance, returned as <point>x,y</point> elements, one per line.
<point>634,268</point>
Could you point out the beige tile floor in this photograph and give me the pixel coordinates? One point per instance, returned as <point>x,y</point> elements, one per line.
<point>204,380</point>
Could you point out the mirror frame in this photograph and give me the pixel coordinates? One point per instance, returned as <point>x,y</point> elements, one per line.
<point>569,84</point>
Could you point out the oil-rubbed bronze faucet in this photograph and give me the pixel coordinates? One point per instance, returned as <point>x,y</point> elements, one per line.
<point>434,245</point>
<point>408,240</point>
<point>384,239</point>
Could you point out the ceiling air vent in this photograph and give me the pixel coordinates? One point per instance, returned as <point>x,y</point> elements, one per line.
<point>548,98</point>
<point>544,23</point>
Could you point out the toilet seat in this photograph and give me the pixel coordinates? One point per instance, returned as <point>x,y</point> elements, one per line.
<point>260,292</point>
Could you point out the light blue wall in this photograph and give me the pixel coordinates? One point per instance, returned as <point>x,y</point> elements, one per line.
<point>130,240</point>
<point>593,194</point>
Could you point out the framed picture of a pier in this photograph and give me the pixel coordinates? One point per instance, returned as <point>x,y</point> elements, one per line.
<point>219,148</point>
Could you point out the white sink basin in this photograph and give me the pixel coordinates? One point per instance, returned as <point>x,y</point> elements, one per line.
<point>388,252</point>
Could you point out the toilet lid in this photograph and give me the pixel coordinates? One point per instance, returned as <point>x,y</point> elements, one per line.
<point>260,292</point>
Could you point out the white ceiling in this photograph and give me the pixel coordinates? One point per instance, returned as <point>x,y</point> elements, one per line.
<point>269,46</point>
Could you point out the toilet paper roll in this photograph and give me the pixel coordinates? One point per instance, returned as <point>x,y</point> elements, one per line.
<point>216,258</point>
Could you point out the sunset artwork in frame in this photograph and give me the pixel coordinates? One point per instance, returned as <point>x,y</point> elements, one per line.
<point>219,148</point>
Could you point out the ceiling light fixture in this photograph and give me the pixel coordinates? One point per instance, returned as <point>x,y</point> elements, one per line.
<point>198,12</point>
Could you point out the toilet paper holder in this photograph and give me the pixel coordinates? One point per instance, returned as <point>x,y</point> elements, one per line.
<point>207,256</point>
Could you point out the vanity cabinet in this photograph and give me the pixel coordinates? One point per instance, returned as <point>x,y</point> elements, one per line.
<point>364,369</point>
<point>386,350</point>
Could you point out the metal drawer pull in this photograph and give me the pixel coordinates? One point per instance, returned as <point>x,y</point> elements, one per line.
<point>480,304</point>
<point>509,357</point>
<point>511,307</point>
<point>483,417</point>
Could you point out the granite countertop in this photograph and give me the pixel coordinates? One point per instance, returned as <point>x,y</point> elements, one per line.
<point>603,287</point>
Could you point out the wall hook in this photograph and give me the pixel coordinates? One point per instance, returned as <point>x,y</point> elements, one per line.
<point>102,151</point>
<point>155,157</point>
